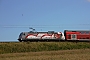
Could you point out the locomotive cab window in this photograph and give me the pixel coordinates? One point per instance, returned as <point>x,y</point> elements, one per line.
<point>20,34</point>
<point>23,33</point>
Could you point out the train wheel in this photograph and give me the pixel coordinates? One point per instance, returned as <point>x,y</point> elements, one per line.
<point>20,40</point>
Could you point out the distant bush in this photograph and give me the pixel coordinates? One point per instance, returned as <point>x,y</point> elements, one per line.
<point>41,46</point>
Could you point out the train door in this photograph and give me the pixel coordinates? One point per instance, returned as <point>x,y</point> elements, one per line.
<point>73,36</point>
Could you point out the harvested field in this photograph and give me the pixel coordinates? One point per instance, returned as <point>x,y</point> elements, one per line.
<point>77,54</point>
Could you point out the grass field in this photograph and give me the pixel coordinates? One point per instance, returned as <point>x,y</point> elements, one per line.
<point>76,54</point>
<point>45,51</point>
<point>21,47</point>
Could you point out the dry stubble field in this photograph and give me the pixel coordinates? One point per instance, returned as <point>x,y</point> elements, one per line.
<point>78,54</point>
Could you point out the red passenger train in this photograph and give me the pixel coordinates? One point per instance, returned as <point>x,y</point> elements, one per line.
<point>80,35</point>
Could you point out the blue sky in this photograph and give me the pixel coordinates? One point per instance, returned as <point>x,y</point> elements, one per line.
<point>18,15</point>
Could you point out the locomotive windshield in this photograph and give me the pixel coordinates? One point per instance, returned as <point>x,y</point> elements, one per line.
<point>22,34</point>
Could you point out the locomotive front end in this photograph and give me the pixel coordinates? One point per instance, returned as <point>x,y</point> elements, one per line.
<point>22,36</point>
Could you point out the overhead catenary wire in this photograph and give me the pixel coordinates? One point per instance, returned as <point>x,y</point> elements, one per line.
<point>59,26</point>
<point>45,26</point>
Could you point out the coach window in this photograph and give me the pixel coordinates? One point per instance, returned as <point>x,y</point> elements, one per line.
<point>69,36</point>
<point>87,32</point>
<point>73,36</point>
<point>82,32</point>
<point>87,38</point>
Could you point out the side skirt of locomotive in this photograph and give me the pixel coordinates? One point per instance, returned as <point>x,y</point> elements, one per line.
<point>41,40</point>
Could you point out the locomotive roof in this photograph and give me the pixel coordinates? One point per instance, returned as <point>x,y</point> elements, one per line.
<point>42,32</point>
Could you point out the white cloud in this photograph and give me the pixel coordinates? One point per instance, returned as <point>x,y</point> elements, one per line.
<point>88,0</point>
